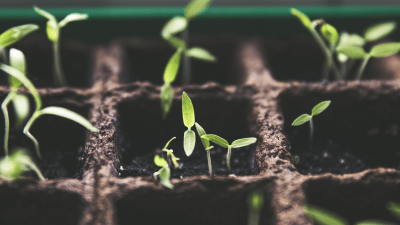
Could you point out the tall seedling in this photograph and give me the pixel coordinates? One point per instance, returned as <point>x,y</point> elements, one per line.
<point>206,144</point>
<point>53,33</point>
<point>189,137</point>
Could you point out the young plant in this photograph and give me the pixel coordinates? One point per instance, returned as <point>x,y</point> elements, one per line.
<point>170,154</point>
<point>206,144</point>
<point>12,167</point>
<point>305,117</point>
<point>256,202</point>
<point>52,110</point>
<point>53,33</point>
<point>164,172</point>
<point>189,137</point>
<point>235,144</point>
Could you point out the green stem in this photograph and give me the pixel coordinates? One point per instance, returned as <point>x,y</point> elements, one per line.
<point>254,217</point>
<point>187,77</point>
<point>28,125</point>
<point>327,66</point>
<point>228,158</point>
<point>7,119</point>
<point>343,69</point>
<point>311,132</point>
<point>59,78</point>
<point>209,162</point>
<point>362,67</point>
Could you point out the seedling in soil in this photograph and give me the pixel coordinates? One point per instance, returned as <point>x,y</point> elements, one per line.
<point>235,144</point>
<point>189,137</point>
<point>170,154</point>
<point>305,117</point>
<point>53,33</point>
<point>13,166</point>
<point>206,144</point>
<point>20,101</point>
<point>164,172</point>
<point>256,202</point>
<point>52,110</point>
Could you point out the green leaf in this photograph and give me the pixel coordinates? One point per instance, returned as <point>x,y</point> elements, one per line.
<point>195,7</point>
<point>176,43</point>
<point>25,81</point>
<point>73,17</point>
<point>379,31</point>
<point>354,52</point>
<point>201,132</point>
<point>17,60</point>
<point>301,120</point>
<point>22,157</point>
<point>15,34</point>
<point>256,200</point>
<point>68,114</point>
<point>302,17</point>
<point>172,67</point>
<point>330,33</point>
<point>323,217</point>
<point>384,50</point>
<point>243,142</point>
<point>160,161</point>
<point>189,141</point>
<point>175,25</point>
<point>167,97</point>
<point>200,53</point>
<point>166,145</point>
<point>217,140</point>
<point>350,39</point>
<point>187,111</point>
<point>11,168</point>
<point>44,13</point>
<point>165,174</point>
<point>394,208</point>
<point>52,31</point>
<point>374,222</point>
<point>21,108</point>
<point>320,107</point>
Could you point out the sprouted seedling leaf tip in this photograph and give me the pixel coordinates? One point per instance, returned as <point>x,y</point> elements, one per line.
<point>164,173</point>
<point>170,154</point>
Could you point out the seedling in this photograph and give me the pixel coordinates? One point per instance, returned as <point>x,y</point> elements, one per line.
<point>170,154</point>
<point>189,137</point>
<point>235,144</point>
<point>12,167</point>
<point>164,172</point>
<point>53,110</point>
<point>256,202</point>
<point>305,117</point>
<point>53,33</point>
<point>206,144</point>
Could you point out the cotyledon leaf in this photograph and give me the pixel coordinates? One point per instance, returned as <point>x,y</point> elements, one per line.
<point>320,107</point>
<point>323,217</point>
<point>173,26</point>
<point>189,141</point>
<point>301,120</point>
<point>384,50</point>
<point>160,161</point>
<point>172,67</point>
<point>243,142</point>
<point>17,60</point>
<point>21,108</point>
<point>15,34</point>
<point>73,17</point>
<point>167,96</point>
<point>165,175</point>
<point>201,132</point>
<point>187,111</point>
<point>195,7</point>
<point>201,54</point>
<point>302,17</point>
<point>217,140</point>
<point>379,31</point>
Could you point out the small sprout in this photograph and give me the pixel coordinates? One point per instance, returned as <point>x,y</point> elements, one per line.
<point>53,33</point>
<point>170,154</point>
<point>189,137</point>
<point>305,117</point>
<point>379,31</point>
<point>164,172</point>
<point>235,144</point>
<point>296,159</point>
<point>255,202</point>
<point>206,144</point>
<point>12,167</point>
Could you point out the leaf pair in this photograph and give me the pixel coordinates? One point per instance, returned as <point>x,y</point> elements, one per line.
<point>164,172</point>
<point>224,143</point>
<point>315,111</point>
<point>189,137</point>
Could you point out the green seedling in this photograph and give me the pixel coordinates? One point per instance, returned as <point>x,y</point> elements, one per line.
<point>14,35</point>
<point>164,172</point>
<point>235,144</point>
<point>20,101</point>
<point>189,137</point>
<point>52,110</point>
<point>306,118</point>
<point>255,202</point>
<point>13,166</point>
<point>53,29</point>
<point>170,154</point>
<point>206,144</point>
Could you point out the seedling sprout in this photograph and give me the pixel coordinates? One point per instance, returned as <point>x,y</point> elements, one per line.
<point>206,144</point>
<point>189,137</point>
<point>13,166</point>
<point>53,33</point>
<point>164,172</point>
<point>235,144</point>
<point>256,202</point>
<point>308,118</point>
<point>170,154</point>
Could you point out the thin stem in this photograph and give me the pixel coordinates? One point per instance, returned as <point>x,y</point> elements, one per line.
<point>228,158</point>
<point>7,119</point>
<point>254,217</point>
<point>4,55</point>
<point>169,159</point>
<point>327,65</point>
<point>59,78</point>
<point>209,162</point>
<point>343,69</point>
<point>187,77</point>
<point>362,67</point>
<point>311,132</point>
<point>28,125</point>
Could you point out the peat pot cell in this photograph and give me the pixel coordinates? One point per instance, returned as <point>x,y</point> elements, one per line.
<point>61,141</point>
<point>143,133</point>
<point>146,60</point>
<point>76,59</point>
<point>353,134</point>
<point>204,202</point>
<point>41,207</point>
<point>354,200</point>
